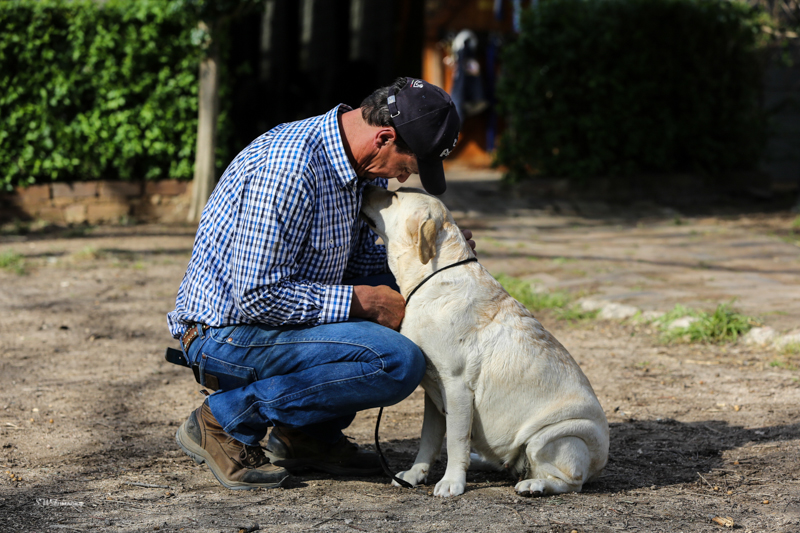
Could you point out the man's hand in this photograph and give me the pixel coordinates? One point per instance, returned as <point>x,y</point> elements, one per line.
<point>379,304</point>
<point>468,235</point>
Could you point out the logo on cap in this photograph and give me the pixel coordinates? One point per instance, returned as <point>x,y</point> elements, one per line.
<point>416,84</point>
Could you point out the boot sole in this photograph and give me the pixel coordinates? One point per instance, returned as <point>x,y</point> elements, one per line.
<point>200,456</point>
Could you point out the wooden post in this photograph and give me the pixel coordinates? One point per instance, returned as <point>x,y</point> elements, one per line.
<point>208,110</point>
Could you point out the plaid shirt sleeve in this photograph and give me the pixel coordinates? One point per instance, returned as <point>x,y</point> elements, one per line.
<point>276,214</point>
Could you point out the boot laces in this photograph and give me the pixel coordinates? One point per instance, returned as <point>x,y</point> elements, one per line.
<point>252,456</point>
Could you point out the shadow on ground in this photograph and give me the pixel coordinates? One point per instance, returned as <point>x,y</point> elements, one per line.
<point>666,452</point>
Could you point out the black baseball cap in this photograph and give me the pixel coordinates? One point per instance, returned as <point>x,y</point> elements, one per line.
<point>426,119</point>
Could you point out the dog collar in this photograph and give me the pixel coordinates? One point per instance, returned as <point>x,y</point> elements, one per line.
<point>421,283</point>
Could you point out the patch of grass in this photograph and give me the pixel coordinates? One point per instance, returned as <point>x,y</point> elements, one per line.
<point>535,301</point>
<point>786,365</point>
<point>722,326</point>
<point>679,311</point>
<point>559,302</point>
<point>574,313</point>
<point>796,222</point>
<point>13,262</point>
<point>792,348</point>
<point>90,253</point>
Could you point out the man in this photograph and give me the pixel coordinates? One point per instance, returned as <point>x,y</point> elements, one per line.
<point>286,307</point>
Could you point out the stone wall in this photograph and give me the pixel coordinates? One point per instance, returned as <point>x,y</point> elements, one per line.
<point>96,202</point>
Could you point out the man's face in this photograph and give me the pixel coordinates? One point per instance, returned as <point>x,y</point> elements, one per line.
<point>391,164</point>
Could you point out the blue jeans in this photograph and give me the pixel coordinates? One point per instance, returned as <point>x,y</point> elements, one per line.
<point>313,378</point>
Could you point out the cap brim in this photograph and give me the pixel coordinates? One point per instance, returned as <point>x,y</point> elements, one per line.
<point>431,174</point>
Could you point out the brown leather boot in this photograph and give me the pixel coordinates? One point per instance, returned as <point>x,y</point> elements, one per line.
<point>292,448</point>
<point>234,464</point>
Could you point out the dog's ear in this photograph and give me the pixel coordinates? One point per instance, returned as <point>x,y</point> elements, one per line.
<point>427,240</point>
<point>423,229</point>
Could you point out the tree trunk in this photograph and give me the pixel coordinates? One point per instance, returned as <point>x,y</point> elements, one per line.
<point>208,110</point>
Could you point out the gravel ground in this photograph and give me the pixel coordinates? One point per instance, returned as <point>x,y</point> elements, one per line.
<point>89,408</point>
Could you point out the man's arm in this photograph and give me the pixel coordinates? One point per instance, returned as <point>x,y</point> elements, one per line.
<point>379,304</point>
<point>272,222</point>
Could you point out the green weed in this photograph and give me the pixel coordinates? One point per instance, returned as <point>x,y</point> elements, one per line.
<point>535,301</point>
<point>792,348</point>
<point>559,302</point>
<point>783,363</point>
<point>722,326</point>
<point>574,313</point>
<point>13,262</point>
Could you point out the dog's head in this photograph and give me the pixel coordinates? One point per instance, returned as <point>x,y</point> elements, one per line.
<point>412,223</point>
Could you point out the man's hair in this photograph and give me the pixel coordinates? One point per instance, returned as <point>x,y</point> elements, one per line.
<point>375,112</point>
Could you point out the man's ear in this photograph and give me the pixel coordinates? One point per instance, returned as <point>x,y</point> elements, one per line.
<point>384,137</point>
<point>422,228</point>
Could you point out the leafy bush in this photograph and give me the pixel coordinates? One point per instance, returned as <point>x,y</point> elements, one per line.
<point>96,90</point>
<point>617,87</point>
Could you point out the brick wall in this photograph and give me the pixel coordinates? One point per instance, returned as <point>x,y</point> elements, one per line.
<point>96,202</point>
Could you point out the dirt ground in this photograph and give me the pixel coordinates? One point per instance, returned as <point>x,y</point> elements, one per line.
<point>89,407</point>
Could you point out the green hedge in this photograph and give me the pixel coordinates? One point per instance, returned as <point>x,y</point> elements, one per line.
<point>94,90</point>
<point>622,87</point>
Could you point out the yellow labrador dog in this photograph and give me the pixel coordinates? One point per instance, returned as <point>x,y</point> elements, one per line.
<point>496,379</point>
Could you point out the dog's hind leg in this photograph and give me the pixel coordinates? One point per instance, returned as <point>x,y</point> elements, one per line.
<point>561,465</point>
<point>433,429</point>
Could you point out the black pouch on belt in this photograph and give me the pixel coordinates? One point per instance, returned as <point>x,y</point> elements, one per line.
<point>176,357</point>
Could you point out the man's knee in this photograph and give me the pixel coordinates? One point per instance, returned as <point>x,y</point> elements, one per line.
<point>406,367</point>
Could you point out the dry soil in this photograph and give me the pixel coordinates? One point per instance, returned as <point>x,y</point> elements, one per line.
<point>89,407</point>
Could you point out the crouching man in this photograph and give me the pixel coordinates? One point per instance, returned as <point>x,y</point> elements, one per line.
<point>287,308</point>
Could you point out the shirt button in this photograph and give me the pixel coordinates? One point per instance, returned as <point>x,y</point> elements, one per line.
<point>331,241</point>
<point>230,339</point>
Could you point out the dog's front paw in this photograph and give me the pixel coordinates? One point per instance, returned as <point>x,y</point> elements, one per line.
<point>540,487</point>
<point>531,487</point>
<point>450,487</point>
<point>416,475</point>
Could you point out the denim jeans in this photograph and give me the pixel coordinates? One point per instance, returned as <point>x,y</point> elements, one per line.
<point>313,377</point>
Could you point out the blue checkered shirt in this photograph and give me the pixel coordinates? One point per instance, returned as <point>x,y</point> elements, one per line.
<point>280,233</point>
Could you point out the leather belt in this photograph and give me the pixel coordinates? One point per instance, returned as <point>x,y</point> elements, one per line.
<point>191,334</point>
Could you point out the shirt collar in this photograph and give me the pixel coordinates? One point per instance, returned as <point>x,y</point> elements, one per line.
<point>332,140</point>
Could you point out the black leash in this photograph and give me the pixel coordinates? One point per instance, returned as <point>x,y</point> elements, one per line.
<point>421,283</point>
<point>384,464</point>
